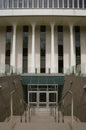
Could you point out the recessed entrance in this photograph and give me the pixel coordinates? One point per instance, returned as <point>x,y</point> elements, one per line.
<point>43,95</point>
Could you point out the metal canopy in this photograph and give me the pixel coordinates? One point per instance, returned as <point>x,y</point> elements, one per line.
<point>43,80</point>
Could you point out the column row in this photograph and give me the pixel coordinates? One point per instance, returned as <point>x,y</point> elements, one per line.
<point>43,4</point>
<point>52,55</point>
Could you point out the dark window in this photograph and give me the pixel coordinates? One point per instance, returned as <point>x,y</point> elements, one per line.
<point>85,3</point>
<point>70,3</point>
<point>30,3</point>
<point>42,97</point>
<point>25,3</point>
<point>32,97</point>
<point>65,3</point>
<point>60,4</point>
<point>80,3</point>
<point>40,3</point>
<point>55,3</point>
<point>5,3</point>
<point>8,44</point>
<point>15,3</point>
<point>20,3</point>
<point>52,97</point>
<point>45,3</point>
<point>35,3</point>
<point>75,3</point>
<point>10,3</point>
<point>42,48</point>
<point>60,49</point>
<point>0,4</point>
<point>50,3</point>
<point>25,49</point>
<point>77,45</point>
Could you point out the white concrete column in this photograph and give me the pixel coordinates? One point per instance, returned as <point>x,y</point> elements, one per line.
<point>13,55</point>
<point>83,4</point>
<point>33,49</point>
<point>72,3</point>
<point>67,3</point>
<point>63,4</point>
<point>58,3</point>
<point>52,49</point>
<point>47,3</point>
<point>37,3</point>
<point>72,57</point>
<point>77,3</point>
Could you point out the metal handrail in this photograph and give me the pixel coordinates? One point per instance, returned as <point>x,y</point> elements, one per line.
<point>68,92</point>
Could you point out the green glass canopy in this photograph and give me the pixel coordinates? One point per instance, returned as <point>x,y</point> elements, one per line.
<point>42,80</point>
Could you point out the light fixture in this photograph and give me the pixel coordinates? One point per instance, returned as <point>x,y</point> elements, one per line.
<point>0,86</point>
<point>84,87</point>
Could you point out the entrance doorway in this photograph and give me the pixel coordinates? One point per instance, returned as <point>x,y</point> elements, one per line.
<point>43,95</point>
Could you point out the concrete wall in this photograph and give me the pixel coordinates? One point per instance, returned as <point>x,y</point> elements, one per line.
<point>79,96</point>
<point>7,87</point>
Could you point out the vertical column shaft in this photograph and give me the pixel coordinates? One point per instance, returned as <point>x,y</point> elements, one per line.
<point>52,49</point>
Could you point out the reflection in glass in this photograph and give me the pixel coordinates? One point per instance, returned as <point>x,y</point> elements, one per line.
<point>50,3</point>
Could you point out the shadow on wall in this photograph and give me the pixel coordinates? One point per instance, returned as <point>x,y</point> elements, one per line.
<point>10,87</point>
<point>79,96</point>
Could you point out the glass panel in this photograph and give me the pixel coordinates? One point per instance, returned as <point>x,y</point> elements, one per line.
<point>55,3</point>
<point>65,3</point>
<point>52,97</point>
<point>25,3</point>
<point>25,49</point>
<point>42,97</point>
<point>30,3</point>
<point>8,44</point>
<point>45,3</point>
<point>15,3</point>
<point>40,3</point>
<point>50,3</point>
<point>70,3</point>
<point>60,3</point>
<point>20,3</point>
<point>42,48</point>
<point>80,3</point>
<point>35,3</point>
<point>32,97</point>
<point>85,3</point>
<point>75,3</point>
<point>0,4</point>
<point>5,3</point>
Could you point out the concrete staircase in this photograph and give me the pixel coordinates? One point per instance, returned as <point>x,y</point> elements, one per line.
<point>42,119</point>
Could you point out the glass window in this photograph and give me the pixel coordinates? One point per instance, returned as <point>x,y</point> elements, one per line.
<point>40,3</point>
<point>45,3</point>
<point>20,3</point>
<point>25,3</point>
<point>52,97</point>
<point>0,4</point>
<point>85,3</point>
<point>77,45</point>
<point>60,49</point>
<point>8,44</point>
<point>55,3</point>
<point>42,48</point>
<point>5,3</point>
<point>50,3</point>
<point>70,3</point>
<point>10,3</point>
<point>32,97</point>
<point>80,3</point>
<point>75,3</point>
<point>25,49</point>
<point>65,3</point>
<point>35,3</point>
<point>30,3</point>
<point>42,97</point>
<point>15,3</point>
<point>60,3</point>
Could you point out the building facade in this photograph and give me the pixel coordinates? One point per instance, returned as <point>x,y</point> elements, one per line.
<point>42,37</point>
